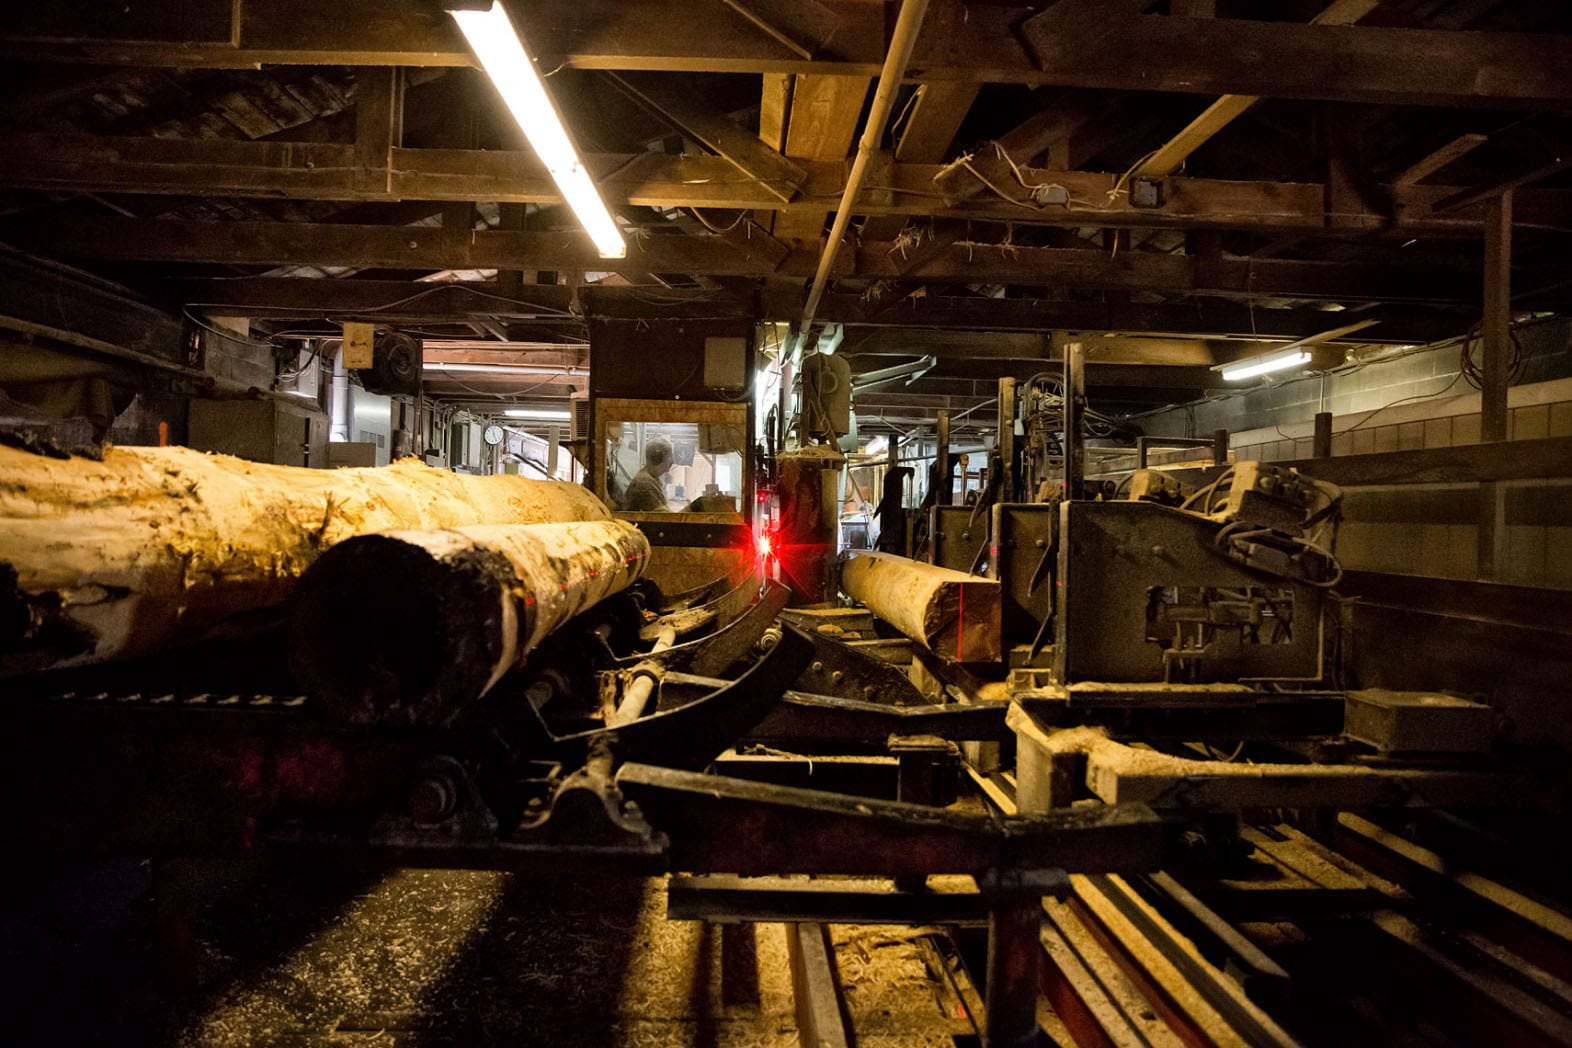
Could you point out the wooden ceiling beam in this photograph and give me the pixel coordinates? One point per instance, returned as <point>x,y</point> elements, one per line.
<point>1293,60</point>
<point>111,237</point>
<point>820,126</point>
<point>669,99</point>
<point>972,42</point>
<point>295,298</point>
<point>937,110</point>
<point>1440,158</point>
<point>321,171</point>
<point>1171,155</point>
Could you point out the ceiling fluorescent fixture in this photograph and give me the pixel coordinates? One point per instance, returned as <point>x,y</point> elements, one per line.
<point>1264,365</point>
<point>567,371</point>
<point>1295,354</point>
<point>501,52</point>
<point>539,414</point>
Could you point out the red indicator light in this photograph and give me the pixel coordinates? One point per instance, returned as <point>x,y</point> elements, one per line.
<point>764,545</point>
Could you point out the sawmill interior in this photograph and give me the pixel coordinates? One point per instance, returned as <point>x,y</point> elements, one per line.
<point>769,522</point>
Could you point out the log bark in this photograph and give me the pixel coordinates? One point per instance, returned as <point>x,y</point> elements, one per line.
<point>151,547</point>
<point>954,615</point>
<point>410,627</point>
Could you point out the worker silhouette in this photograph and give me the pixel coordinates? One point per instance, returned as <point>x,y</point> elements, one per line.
<point>647,491</point>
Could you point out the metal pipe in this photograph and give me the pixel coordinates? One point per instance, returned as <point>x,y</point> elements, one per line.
<point>646,675</point>
<point>902,40</point>
<point>338,398</point>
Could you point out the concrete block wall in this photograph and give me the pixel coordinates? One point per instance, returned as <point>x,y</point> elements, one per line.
<point>1423,529</point>
<point>1385,386</point>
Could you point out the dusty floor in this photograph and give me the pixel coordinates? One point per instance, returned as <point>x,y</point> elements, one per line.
<point>298,956</point>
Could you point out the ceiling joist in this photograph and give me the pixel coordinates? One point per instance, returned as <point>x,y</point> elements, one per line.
<point>325,171</point>
<point>430,248</point>
<point>1079,43</point>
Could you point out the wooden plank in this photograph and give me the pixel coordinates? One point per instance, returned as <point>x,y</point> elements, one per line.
<point>1171,156</point>
<point>302,298</point>
<point>1499,187</point>
<point>824,115</point>
<point>1195,55</point>
<point>282,243</point>
<point>816,987</point>
<point>1464,464</point>
<point>1397,325</point>
<point>689,114</point>
<point>1087,42</point>
<point>286,297</point>
<point>1020,146</point>
<point>1203,992</point>
<point>1440,158</point>
<point>937,111</point>
<point>1497,323</point>
<point>774,109</point>
<point>379,127</point>
<point>90,164</point>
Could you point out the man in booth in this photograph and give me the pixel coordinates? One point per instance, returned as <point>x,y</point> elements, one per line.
<point>647,491</point>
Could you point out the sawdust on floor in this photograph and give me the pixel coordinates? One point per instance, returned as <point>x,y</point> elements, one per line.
<point>426,957</point>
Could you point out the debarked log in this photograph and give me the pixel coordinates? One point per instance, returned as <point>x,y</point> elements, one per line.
<point>149,547</point>
<point>954,615</point>
<point>410,627</point>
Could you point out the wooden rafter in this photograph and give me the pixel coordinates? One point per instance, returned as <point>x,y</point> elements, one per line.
<point>1171,155</point>
<point>263,243</point>
<point>89,164</point>
<point>669,99</point>
<point>975,42</point>
<point>937,110</point>
<point>286,298</point>
<point>822,122</point>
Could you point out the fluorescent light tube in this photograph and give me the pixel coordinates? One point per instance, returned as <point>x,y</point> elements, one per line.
<point>539,414</point>
<point>501,52</point>
<point>1291,355</point>
<point>502,369</point>
<point>1264,365</point>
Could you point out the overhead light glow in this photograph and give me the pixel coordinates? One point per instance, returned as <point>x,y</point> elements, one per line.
<point>501,52</point>
<point>538,414</point>
<point>1291,355</point>
<point>1264,365</point>
<point>500,369</point>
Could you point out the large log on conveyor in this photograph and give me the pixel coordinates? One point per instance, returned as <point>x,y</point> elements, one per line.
<point>952,614</point>
<point>412,626</point>
<point>147,547</point>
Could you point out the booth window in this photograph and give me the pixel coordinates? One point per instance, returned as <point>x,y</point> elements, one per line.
<point>674,466</point>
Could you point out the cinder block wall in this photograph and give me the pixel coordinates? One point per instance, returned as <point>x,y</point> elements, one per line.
<point>1416,401</point>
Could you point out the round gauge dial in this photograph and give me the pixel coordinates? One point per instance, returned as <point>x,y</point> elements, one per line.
<point>493,434</point>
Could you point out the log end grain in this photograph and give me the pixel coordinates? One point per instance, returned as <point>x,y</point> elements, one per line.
<point>386,632</point>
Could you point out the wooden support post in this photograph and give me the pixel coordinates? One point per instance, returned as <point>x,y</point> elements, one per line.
<point>1014,956</point>
<point>1496,332</point>
<point>379,126</point>
<point>1074,403</point>
<point>1045,773</point>
<point>943,492</point>
<point>1497,324</point>
<point>510,217</point>
<point>1005,441</point>
<point>1321,445</point>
